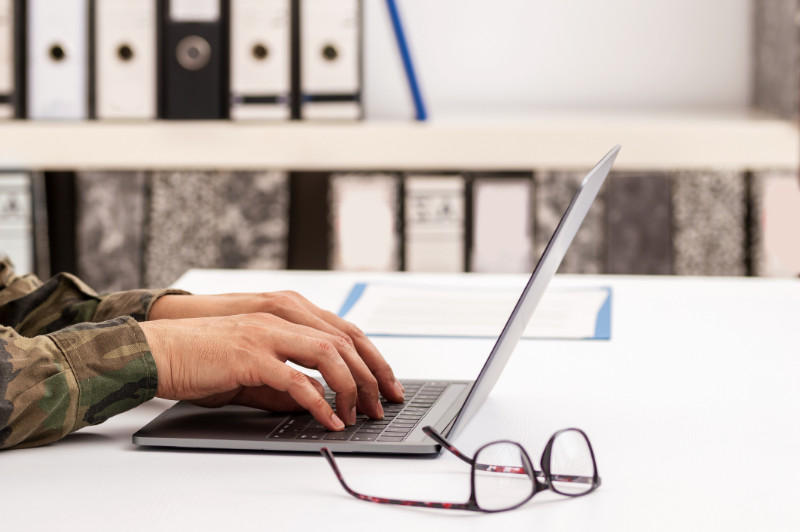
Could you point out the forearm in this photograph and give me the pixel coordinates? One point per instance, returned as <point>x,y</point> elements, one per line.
<point>55,384</point>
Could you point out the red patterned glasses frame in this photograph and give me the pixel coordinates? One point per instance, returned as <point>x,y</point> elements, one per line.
<point>540,480</point>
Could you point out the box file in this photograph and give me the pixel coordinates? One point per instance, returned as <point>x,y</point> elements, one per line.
<point>364,222</point>
<point>260,59</point>
<point>110,209</point>
<point>434,215</point>
<point>639,240</point>
<point>778,206</point>
<point>6,58</point>
<point>330,59</point>
<point>16,220</point>
<point>502,225</point>
<point>193,56</point>
<point>200,219</point>
<point>709,232</point>
<point>125,59</point>
<point>57,59</point>
<point>554,190</point>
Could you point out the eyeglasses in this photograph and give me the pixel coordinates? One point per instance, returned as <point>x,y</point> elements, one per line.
<point>503,477</point>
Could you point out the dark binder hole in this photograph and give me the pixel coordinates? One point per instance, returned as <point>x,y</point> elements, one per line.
<point>260,51</point>
<point>125,52</point>
<point>193,52</point>
<point>57,53</point>
<point>329,52</point>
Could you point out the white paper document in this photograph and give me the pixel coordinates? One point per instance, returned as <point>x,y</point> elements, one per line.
<point>401,310</point>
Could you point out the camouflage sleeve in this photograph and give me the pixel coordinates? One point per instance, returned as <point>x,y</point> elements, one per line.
<point>54,384</point>
<point>68,356</point>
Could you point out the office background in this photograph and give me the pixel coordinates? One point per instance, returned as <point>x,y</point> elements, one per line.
<point>709,87</point>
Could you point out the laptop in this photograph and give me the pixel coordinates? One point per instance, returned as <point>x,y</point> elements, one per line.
<point>446,405</point>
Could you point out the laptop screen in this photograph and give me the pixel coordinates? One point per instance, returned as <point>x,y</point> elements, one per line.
<point>534,290</point>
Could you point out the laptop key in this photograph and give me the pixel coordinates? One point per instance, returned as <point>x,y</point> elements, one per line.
<point>390,438</point>
<point>364,437</point>
<point>338,436</point>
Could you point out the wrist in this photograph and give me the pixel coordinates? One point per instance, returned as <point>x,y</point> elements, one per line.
<point>167,307</point>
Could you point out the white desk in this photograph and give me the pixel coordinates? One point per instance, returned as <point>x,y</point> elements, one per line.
<point>692,408</point>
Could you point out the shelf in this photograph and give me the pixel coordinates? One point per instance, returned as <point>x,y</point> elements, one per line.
<point>650,141</point>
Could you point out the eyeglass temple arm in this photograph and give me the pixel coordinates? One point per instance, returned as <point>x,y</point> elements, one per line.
<point>430,431</point>
<point>381,500</point>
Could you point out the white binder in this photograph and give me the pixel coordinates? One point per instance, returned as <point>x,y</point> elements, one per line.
<point>6,58</point>
<point>434,223</point>
<point>502,225</point>
<point>364,222</point>
<point>780,216</point>
<point>57,59</point>
<point>16,221</point>
<point>330,59</point>
<point>125,59</point>
<point>260,59</point>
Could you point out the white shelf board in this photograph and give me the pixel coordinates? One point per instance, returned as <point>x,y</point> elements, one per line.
<point>670,141</point>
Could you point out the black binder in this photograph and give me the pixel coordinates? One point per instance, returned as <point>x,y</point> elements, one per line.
<point>193,64</point>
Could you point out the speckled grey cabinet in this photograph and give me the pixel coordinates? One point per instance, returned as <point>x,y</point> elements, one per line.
<point>709,217</point>
<point>215,220</point>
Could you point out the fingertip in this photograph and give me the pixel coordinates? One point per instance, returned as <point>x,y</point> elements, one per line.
<point>336,422</point>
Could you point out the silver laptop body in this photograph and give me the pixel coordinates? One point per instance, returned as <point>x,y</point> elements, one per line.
<point>243,428</point>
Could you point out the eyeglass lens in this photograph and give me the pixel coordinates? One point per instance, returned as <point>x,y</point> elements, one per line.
<point>571,464</point>
<point>506,485</point>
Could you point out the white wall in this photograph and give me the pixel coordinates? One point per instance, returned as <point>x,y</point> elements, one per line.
<point>501,56</point>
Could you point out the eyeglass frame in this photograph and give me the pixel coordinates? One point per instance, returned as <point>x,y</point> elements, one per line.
<point>472,503</point>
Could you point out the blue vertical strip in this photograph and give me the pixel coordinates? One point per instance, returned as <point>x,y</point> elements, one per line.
<point>602,328</point>
<point>419,104</point>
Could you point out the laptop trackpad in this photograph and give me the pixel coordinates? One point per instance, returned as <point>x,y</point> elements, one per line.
<point>185,420</point>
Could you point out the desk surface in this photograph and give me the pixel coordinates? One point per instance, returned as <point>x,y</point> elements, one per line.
<point>692,408</point>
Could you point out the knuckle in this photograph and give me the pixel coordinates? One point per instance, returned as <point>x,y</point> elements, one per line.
<point>327,350</point>
<point>288,297</point>
<point>372,383</point>
<point>354,332</point>
<point>319,403</point>
<point>297,379</point>
<point>343,342</point>
<point>351,389</point>
<point>385,370</point>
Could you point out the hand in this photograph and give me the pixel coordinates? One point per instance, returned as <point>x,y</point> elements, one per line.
<point>369,370</point>
<point>241,360</point>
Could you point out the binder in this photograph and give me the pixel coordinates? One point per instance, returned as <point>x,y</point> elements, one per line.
<point>777,204</point>
<point>260,59</point>
<point>502,225</point>
<point>58,59</point>
<point>330,59</point>
<point>554,191</point>
<point>434,216</point>
<point>125,59</point>
<point>709,209</point>
<point>639,224</point>
<point>16,221</point>
<point>202,219</point>
<point>6,59</point>
<point>365,232</point>
<point>109,233</point>
<point>193,56</point>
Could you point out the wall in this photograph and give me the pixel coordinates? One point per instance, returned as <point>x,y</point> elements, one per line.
<point>503,56</point>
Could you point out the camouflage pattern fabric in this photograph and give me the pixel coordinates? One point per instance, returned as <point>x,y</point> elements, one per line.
<point>68,356</point>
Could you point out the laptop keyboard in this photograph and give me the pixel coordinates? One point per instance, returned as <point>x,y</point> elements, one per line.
<point>397,423</point>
